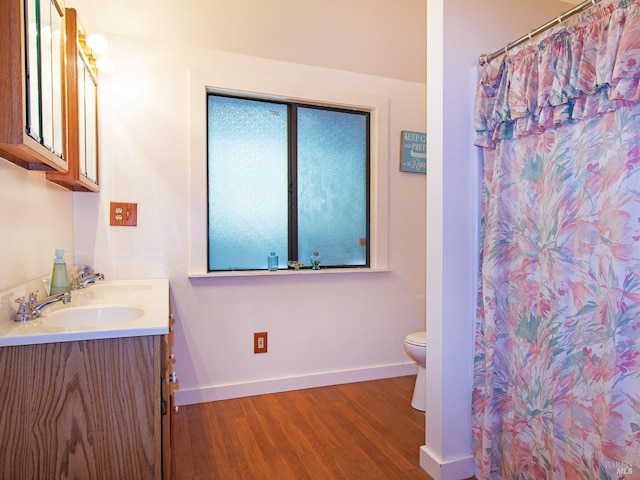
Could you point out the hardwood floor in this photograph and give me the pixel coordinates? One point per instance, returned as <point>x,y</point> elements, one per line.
<point>360,431</point>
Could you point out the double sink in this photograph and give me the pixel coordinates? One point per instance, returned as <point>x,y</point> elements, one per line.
<point>105,309</point>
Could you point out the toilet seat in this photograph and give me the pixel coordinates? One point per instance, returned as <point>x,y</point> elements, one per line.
<point>419,339</point>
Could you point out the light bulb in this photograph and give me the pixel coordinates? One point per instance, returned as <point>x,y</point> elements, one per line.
<point>98,44</point>
<point>105,65</point>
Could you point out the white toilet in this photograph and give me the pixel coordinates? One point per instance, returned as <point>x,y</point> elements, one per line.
<point>415,344</point>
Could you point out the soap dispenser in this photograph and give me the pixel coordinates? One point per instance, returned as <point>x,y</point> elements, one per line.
<point>59,276</point>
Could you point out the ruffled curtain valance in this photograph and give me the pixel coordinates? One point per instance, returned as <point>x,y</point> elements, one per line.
<point>586,66</point>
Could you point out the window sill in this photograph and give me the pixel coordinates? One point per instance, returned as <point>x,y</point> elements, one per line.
<point>285,273</point>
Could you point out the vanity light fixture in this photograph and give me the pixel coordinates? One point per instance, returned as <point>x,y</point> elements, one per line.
<point>99,45</point>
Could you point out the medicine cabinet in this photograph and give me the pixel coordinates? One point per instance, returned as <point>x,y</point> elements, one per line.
<point>32,84</point>
<point>82,111</point>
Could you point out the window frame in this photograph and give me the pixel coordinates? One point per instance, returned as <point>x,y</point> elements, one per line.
<point>317,86</point>
<point>292,173</point>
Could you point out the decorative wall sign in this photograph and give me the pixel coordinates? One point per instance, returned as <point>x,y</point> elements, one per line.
<point>414,152</point>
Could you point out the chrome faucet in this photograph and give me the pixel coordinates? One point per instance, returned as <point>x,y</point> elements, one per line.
<point>80,281</point>
<point>30,308</point>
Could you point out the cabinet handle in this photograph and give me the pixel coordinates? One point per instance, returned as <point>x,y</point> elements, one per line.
<point>176,408</point>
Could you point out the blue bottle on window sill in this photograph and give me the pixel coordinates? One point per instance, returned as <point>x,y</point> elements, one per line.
<point>272,262</point>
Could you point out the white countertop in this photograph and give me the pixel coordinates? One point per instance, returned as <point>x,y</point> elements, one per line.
<point>149,295</point>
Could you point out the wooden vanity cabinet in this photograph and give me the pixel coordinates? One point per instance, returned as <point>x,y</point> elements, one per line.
<point>32,84</point>
<point>85,409</point>
<point>82,111</point>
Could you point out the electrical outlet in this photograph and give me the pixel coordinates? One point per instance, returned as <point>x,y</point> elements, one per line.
<point>260,342</point>
<point>123,214</point>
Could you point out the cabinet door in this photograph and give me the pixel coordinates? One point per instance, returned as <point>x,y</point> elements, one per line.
<point>82,111</point>
<point>88,125</point>
<point>32,106</point>
<point>81,409</point>
<point>47,109</point>
<point>168,406</point>
<point>32,82</point>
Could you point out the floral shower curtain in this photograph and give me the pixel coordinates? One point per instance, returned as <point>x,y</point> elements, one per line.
<point>557,337</point>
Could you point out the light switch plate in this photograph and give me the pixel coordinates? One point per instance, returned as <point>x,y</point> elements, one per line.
<point>123,214</point>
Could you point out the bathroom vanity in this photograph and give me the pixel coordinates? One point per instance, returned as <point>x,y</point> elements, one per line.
<point>93,400</point>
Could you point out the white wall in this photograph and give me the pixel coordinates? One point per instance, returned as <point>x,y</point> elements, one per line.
<point>377,37</point>
<point>458,32</point>
<point>36,219</point>
<point>322,329</point>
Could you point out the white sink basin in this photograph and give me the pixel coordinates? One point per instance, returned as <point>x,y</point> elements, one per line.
<point>92,316</point>
<point>109,309</point>
<point>118,287</point>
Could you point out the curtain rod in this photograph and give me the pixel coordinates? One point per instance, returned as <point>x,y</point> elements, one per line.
<point>486,58</point>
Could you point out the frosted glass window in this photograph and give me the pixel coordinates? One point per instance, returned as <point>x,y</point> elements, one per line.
<point>248,183</point>
<point>332,186</point>
<point>286,178</point>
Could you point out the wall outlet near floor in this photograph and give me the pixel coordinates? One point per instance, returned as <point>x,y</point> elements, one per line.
<point>260,342</point>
